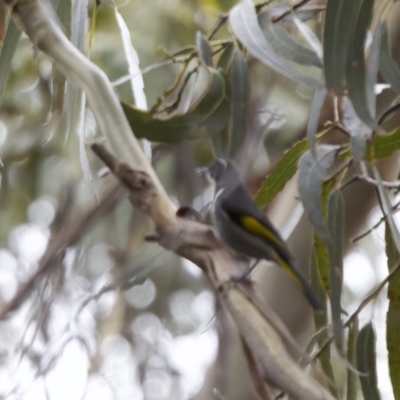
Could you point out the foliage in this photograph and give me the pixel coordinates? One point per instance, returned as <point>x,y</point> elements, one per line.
<point>213,108</point>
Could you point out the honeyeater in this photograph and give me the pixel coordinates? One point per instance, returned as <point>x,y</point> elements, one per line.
<point>245,229</point>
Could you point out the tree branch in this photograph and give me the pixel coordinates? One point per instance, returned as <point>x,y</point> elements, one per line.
<point>188,238</point>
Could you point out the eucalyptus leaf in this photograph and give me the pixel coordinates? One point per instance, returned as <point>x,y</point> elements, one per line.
<point>352,378</point>
<point>339,22</point>
<point>335,251</point>
<point>382,146</point>
<point>280,174</point>
<point>312,174</point>
<point>244,23</point>
<point>392,318</point>
<point>366,362</point>
<point>356,69</point>
<point>7,53</point>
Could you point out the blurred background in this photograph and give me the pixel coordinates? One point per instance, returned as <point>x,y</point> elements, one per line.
<point>116,317</point>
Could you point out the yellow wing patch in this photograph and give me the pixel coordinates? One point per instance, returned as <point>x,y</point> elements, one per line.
<point>257,228</point>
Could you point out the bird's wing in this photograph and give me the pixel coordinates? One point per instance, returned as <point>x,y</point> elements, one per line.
<point>245,213</point>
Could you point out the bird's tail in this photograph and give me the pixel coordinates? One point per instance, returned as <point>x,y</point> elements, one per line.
<point>298,278</point>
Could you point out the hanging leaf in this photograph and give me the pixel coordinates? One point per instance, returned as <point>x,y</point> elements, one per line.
<point>319,284</point>
<point>393,314</point>
<point>7,53</point>
<point>339,24</point>
<point>356,69</point>
<point>352,378</point>
<point>280,174</point>
<point>335,251</point>
<point>244,22</point>
<point>312,174</point>
<point>366,362</point>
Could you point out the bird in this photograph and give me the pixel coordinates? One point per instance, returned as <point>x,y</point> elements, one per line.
<point>245,229</point>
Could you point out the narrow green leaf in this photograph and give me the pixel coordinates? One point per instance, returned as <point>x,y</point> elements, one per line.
<point>356,69</point>
<point>320,252</point>
<point>352,378</point>
<point>383,146</point>
<point>280,174</point>
<point>393,314</point>
<point>244,23</point>
<point>387,208</point>
<point>7,53</point>
<point>182,126</point>
<point>388,67</point>
<point>335,251</point>
<point>319,269</point>
<point>366,362</point>
<point>392,254</point>
<point>339,24</point>
<point>312,174</point>
<point>204,50</point>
